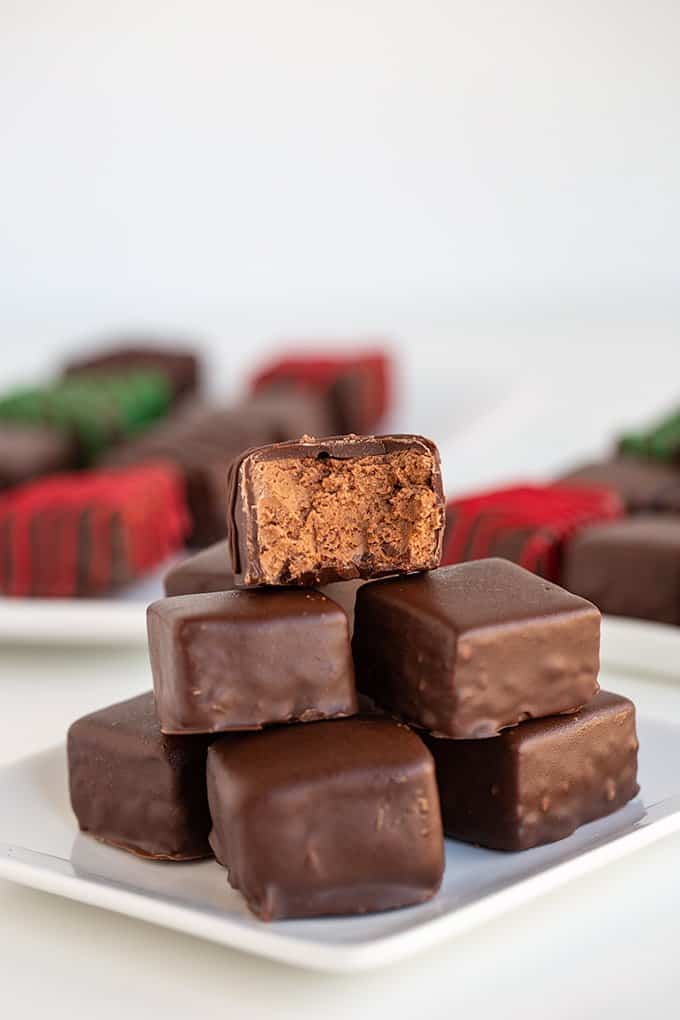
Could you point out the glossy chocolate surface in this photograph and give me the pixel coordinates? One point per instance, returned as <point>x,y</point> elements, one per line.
<point>540,781</point>
<point>629,567</point>
<point>240,660</point>
<point>137,789</point>
<point>467,650</point>
<point>643,485</point>
<point>319,511</point>
<point>210,570</point>
<point>205,571</point>
<point>334,818</point>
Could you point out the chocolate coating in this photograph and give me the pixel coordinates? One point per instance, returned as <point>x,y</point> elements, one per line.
<point>334,818</point>
<point>319,511</point>
<point>629,567</point>
<point>202,440</point>
<point>137,789</point>
<point>643,485</point>
<point>205,571</point>
<point>465,651</point>
<point>210,570</point>
<point>240,660</point>
<point>538,782</point>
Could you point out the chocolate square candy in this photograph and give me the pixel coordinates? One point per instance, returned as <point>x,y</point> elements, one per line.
<point>137,789</point>
<point>642,485</point>
<point>629,568</point>
<point>334,818</point>
<point>528,524</point>
<point>239,660</point>
<point>317,511</point>
<point>181,366</point>
<point>539,781</point>
<point>208,570</point>
<point>467,650</point>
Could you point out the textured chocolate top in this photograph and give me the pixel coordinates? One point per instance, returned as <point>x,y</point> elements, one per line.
<point>334,818</point>
<point>246,544</point>
<point>465,651</point>
<point>136,788</point>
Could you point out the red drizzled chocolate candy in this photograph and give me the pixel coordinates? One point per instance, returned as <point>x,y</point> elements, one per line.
<point>356,385</point>
<point>79,534</point>
<point>528,524</point>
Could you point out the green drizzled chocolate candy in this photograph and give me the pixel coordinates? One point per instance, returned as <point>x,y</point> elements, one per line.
<point>97,411</point>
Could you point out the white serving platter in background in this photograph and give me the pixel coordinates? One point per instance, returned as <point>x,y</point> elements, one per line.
<point>40,846</point>
<point>119,619</point>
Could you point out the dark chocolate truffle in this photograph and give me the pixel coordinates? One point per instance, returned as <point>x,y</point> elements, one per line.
<point>539,781</point>
<point>333,818</point>
<point>137,789</point>
<point>240,660</point>
<point>465,651</point>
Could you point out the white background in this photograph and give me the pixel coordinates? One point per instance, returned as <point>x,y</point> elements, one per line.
<point>494,185</point>
<point>432,169</point>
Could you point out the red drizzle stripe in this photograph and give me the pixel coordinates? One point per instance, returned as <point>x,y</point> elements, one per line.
<point>40,527</point>
<point>548,514</point>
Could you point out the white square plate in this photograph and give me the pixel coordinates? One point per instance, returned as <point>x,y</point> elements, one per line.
<point>40,846</point>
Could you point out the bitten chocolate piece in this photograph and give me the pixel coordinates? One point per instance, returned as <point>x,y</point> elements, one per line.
<point>335,818</point>
<point>538,782</point>
<point>467,650</point>
<point>137,789</point>
<point>205,571</point>
<point>240,660</point>
<point>642,485</point>
<point>317,511</point>
<point>629,568</point>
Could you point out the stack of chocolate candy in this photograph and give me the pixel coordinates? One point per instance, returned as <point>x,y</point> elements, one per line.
<point>319,810</point>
